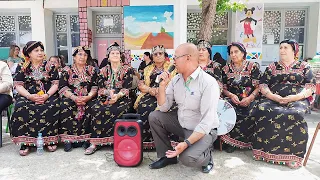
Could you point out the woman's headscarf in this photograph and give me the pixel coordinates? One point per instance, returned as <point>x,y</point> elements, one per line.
<point>240,46</point>
<point>205,44</point>
<point>158,48</point>
<point>79,48</point>
<point>87,51</point>
<point>113,47</point>
<point>30,46</point>
<point>295,46</point>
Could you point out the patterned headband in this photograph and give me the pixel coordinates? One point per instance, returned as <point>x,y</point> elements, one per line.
<point>113,47</point>
<point>294,44</point>
<point>33,44</point>
<point>79,48</point>
<point>203,44</point>
<point>239,45</point>
<point>158,48</point>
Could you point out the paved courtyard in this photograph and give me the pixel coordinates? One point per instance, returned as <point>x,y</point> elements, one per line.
<point>75,165</point>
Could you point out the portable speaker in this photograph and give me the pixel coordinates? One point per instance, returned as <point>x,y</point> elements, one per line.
<point>128,145</point>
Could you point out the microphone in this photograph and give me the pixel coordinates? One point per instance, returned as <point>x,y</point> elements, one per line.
<point>171,68</point>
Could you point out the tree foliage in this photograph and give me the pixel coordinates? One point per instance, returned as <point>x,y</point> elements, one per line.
<point>226,5</point>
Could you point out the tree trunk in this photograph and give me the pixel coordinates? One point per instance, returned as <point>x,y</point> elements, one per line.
<point>208,14</point>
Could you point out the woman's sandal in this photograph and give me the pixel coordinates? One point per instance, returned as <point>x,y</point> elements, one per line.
<point>91,149</point>
<point>293,165</point>
<point>52,148</point>
<point>24,150</point>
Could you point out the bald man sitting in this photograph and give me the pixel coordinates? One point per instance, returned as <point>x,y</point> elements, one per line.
<point>197,95</point>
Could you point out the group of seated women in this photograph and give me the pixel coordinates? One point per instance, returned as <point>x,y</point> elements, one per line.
<point>79,104</point>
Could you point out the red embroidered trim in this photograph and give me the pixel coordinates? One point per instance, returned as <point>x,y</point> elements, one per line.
<point>63,90</point>
<point>101,141</point>
<point>286,69</point>
<point>228,140</point>
<point>232,75</point>
<point>244,66</point>
<point>246,71</point>
<point>74,138</point>
<point>148,145</point>
<point>278,158</point>
<point>32,141</point>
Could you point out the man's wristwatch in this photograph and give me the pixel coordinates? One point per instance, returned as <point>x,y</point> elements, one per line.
<point>188,142</point>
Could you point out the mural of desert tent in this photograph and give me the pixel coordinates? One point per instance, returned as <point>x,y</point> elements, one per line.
<point>148,26</point>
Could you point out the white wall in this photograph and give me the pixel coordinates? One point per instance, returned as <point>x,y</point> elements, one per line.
<point>37,16</point>
<point>49,33</point>
<point>38,22</point>
<point>90,26</point>
<point>52,4</point>
<point>318,29</point>
<point>312,30</point>
<point>17,4</point>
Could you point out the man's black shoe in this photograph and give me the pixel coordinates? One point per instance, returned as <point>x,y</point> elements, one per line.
<point>209,167</point>
<point>163,162</point>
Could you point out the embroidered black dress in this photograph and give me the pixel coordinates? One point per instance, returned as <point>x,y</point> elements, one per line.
<point>147,103</point>
<point>241,83</point>
<point>281,132</point>
<point>29,118</point>
<point>75,120</point>
<point>214,69</point>
<point>104,115</point>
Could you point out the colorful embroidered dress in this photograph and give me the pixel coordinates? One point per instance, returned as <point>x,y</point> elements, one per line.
<point>281,132</point>
<point>214,69</point>
<point>146,103</point>
<point>104,115</point>
<point>29,118</point>
<point>75,120</point>
<point>242,83</point>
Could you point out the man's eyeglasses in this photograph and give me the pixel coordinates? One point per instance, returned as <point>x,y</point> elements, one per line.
<point>177,57</point>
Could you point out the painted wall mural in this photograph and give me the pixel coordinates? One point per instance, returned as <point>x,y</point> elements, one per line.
<point>254,55</point>
<point>249,26</point>
<point>148,26</point>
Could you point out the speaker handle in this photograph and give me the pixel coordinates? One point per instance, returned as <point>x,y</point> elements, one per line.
<point>131,116</point>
